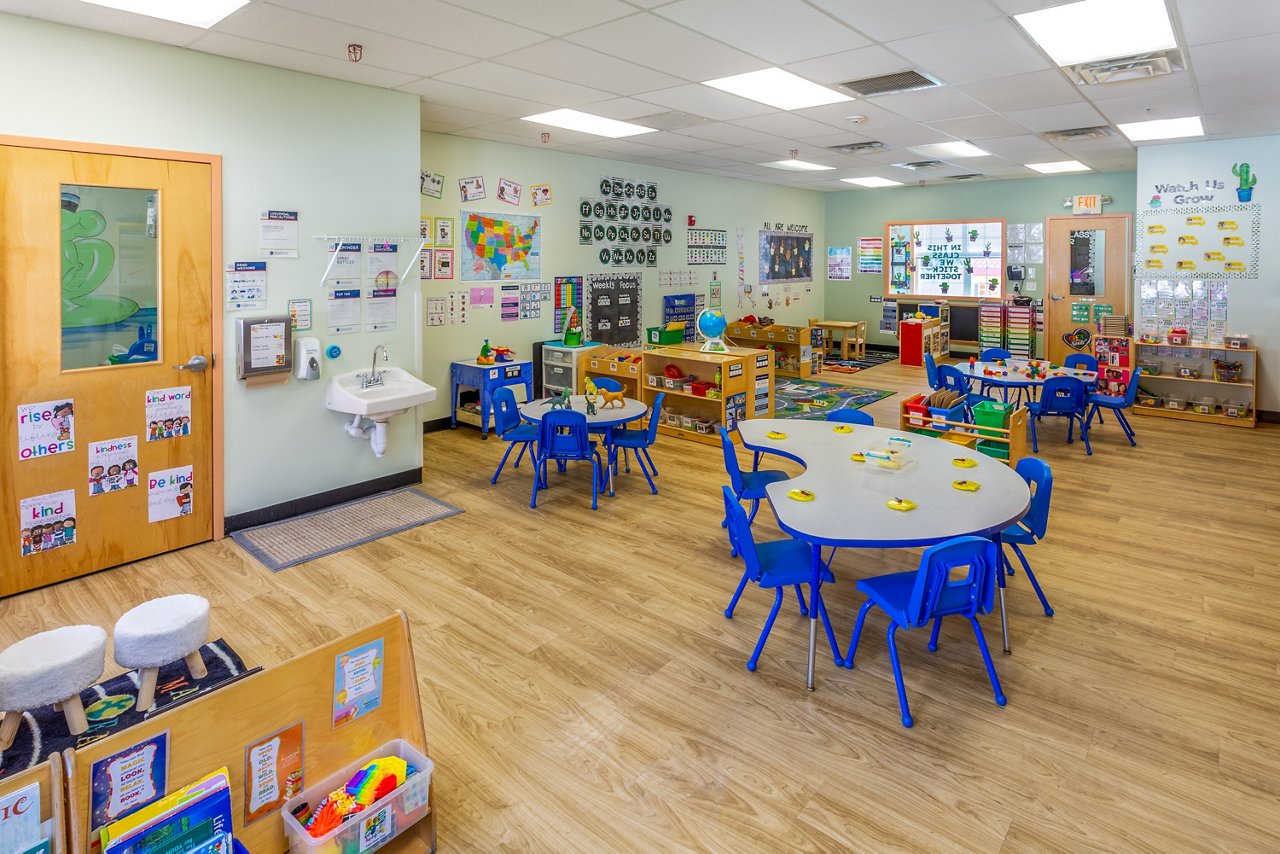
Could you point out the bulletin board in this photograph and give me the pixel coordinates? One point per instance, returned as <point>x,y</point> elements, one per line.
<point>613,314</point>
<point>945,259</point>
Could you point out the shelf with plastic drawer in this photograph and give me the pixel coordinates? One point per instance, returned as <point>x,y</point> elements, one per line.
<point>745,391</point>
<point>1209,393</point>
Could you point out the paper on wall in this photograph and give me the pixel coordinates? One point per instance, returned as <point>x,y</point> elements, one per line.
<point>380,310</point>
<point>278,234</point>
<point>344,310</point>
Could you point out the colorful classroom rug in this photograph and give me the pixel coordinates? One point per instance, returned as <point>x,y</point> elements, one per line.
<point>280,545</point>
<point>852,366</point>
<point>812,400</point>
<point>109,707</point>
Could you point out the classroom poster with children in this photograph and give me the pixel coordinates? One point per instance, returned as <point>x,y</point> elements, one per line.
<point>47,522</point>
<point>46,428</point>
<point>168,413</point>
<point>113,465</point>
<point>170,494</point>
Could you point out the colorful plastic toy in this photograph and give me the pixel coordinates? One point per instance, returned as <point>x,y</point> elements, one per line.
<point>903,504</point>
<point>966,485</point>
<point>800,495</point>
<point>486,356</point>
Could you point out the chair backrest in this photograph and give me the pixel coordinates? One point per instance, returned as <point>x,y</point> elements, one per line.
<point>607,383</point>
<point>992,354</point>
<point>731,460</point>
<point>740,533</point>
<point>564,436</point>
<point>655,417</point>
<point>1081,361</point>
<point>1131,393</point>
<point>950,377</point>
<point>931,372</point>
<point>1062,396</point>
<point>851,416</point>
<point>940,591</point>
<point>505,413</point>
<point>1038,476</point>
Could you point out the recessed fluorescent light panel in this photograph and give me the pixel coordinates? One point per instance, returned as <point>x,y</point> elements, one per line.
<point>587,123</point>
<point>1100,29</point>
<point>1162,129</point>
<point>1059,166</point>
<point>777,88</point>
<point>948,150</point>
<point>872,182</point>
<point>796,166</point>
<point>195,13</point>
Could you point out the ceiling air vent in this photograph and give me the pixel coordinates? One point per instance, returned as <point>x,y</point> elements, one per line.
<point>858,147</point>
<point>971,176</point>
<point>1079,134</point>
<point>920,165</point>
<point>887,84</point>
<point>1141,67</point>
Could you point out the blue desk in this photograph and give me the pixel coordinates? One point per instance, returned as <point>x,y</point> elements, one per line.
<point>486,378</point>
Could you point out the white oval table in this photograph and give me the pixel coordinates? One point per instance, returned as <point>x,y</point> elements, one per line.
<point>850,499</point>
<point>612,416</point>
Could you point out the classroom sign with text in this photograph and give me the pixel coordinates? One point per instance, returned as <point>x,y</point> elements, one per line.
<point>46,428</point>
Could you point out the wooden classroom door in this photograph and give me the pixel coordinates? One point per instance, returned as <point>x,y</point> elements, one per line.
<point>1088,265</point>
<point>105,275</point>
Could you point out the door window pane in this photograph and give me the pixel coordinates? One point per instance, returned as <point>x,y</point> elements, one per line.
<point>110,276</point>
<point>1088,254</point>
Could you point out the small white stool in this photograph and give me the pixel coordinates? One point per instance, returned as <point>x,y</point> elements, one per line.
<point>158,632</point>
<point>51,667</point>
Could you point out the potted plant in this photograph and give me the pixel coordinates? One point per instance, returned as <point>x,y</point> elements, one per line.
<point>986,249</point>
<point>924,260</point>
<point>968,265</point>
<point>1248,180</point>
<point>992,284</point>
<point>973,235</point>
<point>944,286</point>
<point>917,238</point>
<point>947,234</point>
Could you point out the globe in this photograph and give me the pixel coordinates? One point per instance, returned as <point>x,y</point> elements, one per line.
<point>711,323</point>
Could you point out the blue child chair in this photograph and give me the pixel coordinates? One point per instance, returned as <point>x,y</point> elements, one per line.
<point>1063,397</point>
<point>992,354</point>
<point>952,378</point>
<point>511,428</point>
<point>1081,362</point>
<point>564,437</point>
<point>851,416</point>
<point>1028,530</point>
<point>776,564</point>
<point>935,590</point>
<point>1117,404</point>
<point>931,372</point>
<point>746,485</point>
<point>639,441</point>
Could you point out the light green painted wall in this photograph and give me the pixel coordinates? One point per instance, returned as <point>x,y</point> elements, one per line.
<point>716,202</point>
<point>863,213</point>
<point>345,156</point>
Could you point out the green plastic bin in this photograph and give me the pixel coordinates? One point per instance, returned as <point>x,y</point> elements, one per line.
<point>992,414</point>
<point>659,335</point>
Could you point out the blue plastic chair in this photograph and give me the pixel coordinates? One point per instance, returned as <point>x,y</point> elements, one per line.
<point>851,416</point>
<point>1062,397</point>
<point>605,384</point>
<point>510,427</point>
<point>994,354</point>
<point>639,441</point>
<point>912,599</point>
<point>1081,362</point>
<point>747,486</point>
<point>951,377</point>
<point>931,372</point>
<point>564,438</point>
<point>1098,402</point>
<point>1028,531</point>
<point>777,564</point>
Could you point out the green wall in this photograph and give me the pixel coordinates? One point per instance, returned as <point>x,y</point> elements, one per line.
<point>863,213</point>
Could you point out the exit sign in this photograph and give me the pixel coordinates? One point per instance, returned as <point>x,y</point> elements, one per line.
<point>1090,204</point>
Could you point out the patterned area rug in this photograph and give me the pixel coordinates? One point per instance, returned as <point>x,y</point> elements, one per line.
<point>808,399</point>
<point>280,545</point>
<point>852,366</point>
<point>109,707</point>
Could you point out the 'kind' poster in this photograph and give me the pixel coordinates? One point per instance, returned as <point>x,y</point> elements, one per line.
<point>47,522</point>
<point>45,428</point>
<point>168,413</point>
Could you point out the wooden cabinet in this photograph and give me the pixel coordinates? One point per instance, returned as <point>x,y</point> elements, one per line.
<point>696,403</point>
<point>917,337</point>
<point>1194,383</point>
<point>797,349</point>
<point>625,366</point>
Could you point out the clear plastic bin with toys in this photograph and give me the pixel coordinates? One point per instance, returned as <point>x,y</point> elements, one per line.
<point>1175,401</point>
<point>1235,408</point>
<point>1204,405</point>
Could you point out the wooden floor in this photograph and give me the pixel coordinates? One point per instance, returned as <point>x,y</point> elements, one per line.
<point>584,692</point>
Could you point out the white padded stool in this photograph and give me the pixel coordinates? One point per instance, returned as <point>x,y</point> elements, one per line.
<point>158,632</point>
<point>51,667</point>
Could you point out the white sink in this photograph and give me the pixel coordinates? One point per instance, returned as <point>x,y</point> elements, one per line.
<point>399,392</point>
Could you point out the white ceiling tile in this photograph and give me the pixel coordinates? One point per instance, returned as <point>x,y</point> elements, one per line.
<point>558,18</point>
<point>1221,98</point>
<point>428,21</point>
<point>977,127</point>
<point>978,51</point>
<point>1135,88</point>
<point>297,60</point>
<point>905,134</point>
<point>1019,7</point>
<point>266,22</point>
<point>887,21</point>
<point>1025,91</point>
<point>453,117</point>
<point>837,115</point>
<point>1025,147</point>
<point>1057,118</point>
<point>931,105</point>
<point>699,100</point>
<point>491,77</point>
<point>77,14</point>
<point>676,141</point>
<point>624,109</point>
<point>829,139</point>
<point>1160,105</point>
<point>575,63</point>
<point>1222,20</point>
<point>531,134</point>
<point>450,95</point>
<point>619,148</point>
<point>1253,62</point>
<point>728,134</point>
<point>850,65</point>
<point>784,124</point>
<point>1258,122</point>
<point>745,155</point>
<point>778,30</point>
<point>657,43</point>
<point>493,135</point>
<point>692,158</point>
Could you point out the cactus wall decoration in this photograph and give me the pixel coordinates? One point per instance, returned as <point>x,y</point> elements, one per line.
<point>1248,181</point>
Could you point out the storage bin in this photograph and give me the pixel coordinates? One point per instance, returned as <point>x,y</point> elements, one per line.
<point>556,356</point>
<point>686,422</point>
<point>917,410</point>
<point>1150,367</point>
<point>998,450</point>
<point>1179,336</point>
<point>1204,405</point>
<point>989,413</point>
<point>1175,401</point>
<point>560,376</point>
<point>659,335</point>
<point>938,415</point>
<point>655,381</point>
<point>701,387</point>
<point>1235,408</point>
<point>1236,342</point>
<point>673,419</point>
<point>397,811</point>
<point>1190,372</point>
<point>703,425</point>
<point>1145,398</point>
<point>1227,372</point>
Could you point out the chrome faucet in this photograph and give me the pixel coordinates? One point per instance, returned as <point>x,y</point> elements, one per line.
<point>375,376</point>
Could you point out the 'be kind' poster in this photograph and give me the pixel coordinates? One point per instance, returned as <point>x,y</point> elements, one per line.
<point>170,494</point>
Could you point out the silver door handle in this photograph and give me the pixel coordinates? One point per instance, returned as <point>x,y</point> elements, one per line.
<point>196,364</point>
<point>1056,297</point>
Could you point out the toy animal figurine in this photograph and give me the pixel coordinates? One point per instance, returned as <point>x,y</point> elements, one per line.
<point>486,356</point>
<point>561,400</point>
<point>591,390</point>
<point>609,398</point>
<point>591,406</point>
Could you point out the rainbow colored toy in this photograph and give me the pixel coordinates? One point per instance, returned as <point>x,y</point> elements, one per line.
<point>371,783</point>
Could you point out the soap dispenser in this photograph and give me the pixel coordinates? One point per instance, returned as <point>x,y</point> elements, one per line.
<point>306,358</point>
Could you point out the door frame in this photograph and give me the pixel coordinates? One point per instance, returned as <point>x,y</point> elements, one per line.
<point>214,162</point>
<point>1127,265</point>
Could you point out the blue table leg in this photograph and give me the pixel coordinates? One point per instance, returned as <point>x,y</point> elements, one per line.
<point>815,585</point>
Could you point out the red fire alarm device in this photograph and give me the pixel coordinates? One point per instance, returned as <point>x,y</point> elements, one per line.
<point>693,220</point>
